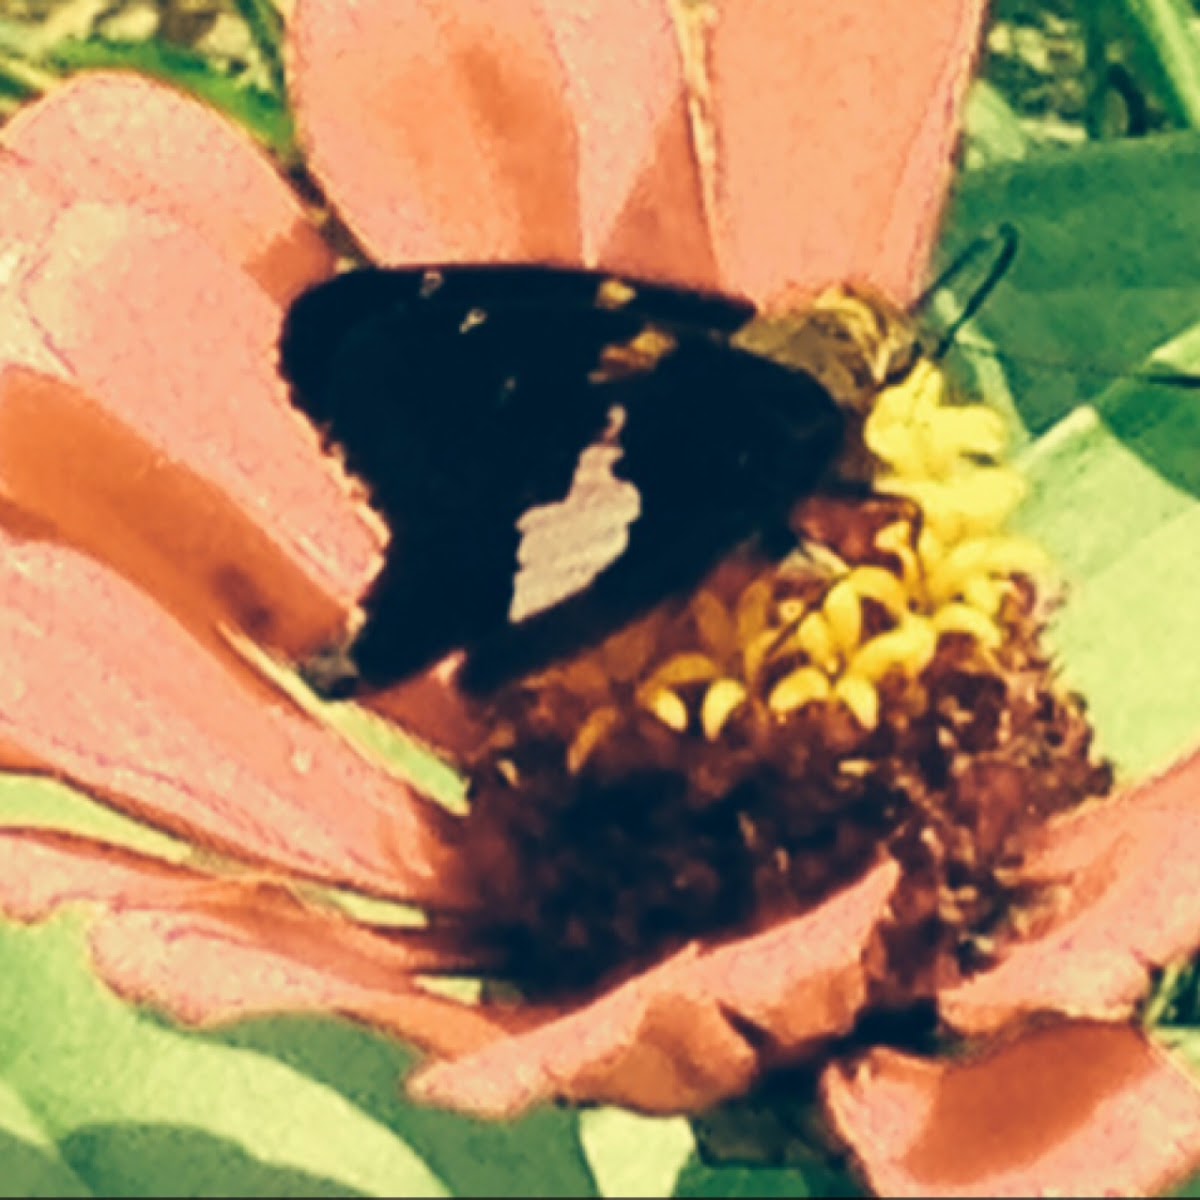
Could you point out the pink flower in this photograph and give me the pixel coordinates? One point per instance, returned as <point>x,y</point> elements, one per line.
<point>160,498</point>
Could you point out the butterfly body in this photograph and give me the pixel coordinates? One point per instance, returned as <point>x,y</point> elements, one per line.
<point>554,452</point>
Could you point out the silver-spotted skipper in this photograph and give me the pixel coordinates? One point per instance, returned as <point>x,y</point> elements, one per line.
<point>554,451</point>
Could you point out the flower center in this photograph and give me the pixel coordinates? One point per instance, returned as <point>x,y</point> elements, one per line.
<point>738,755</point>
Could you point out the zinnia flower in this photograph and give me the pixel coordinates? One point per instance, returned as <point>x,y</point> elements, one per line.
<point>163,508</point>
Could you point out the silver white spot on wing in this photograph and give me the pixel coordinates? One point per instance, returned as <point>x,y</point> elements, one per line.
<point>565,545</point>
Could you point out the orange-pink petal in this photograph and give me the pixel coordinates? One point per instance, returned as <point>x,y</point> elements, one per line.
<point>441,132</point>
<point>836,126</point>
<point>1120,887</point>
<point>72,472</point>
<point>641,204</point>
<point>695,1030</point>
<point>43,870</point>
<point>29,199</point>
<point>123,138</point>
<point>178,345</point>
<point>1076,1109</point>
<point>211,949</point>
<point>104,688</point>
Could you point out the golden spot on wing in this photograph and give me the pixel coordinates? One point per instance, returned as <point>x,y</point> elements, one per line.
<point>614,294</point>
<point>474,318</point>
<point>640,354</point>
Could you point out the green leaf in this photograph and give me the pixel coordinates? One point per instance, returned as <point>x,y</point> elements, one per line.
<point>1166,51</point>
<point>663,1147</point>
<point>1107,269</point>
<point>267,32</point>
<point>700,1179</point>
<point>1126,540</point>
<point>32,1162</point>
<point>265,116</point>
<point>20,80</point>
<point>28,1171</point>
<point>130,1107</point>
<point>993,131</point>
<point>537,1156</point>
<point>1108,274</point>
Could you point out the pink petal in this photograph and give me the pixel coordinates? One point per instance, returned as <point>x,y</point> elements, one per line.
<point>123,138</point>
<point>79,475</point>
<point>1072,1110</point>
<point>674,1039</point>
<point>209,950</point>
<point>30,200</point>
<point>639,184</point>
<point>101,686</point>
<point>440,131</point>
<point>207,966</point>
<point>1123,897</point>
<point>835,128</point>
<point>526,130</point>
<point>179,347</point>
<point>41,871</point>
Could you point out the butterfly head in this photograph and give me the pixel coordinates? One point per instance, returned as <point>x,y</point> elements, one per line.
<point>852,342</point>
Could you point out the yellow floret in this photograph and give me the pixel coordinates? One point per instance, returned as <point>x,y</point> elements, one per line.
<point>899,431</point>
<point>843,612</point>
<point>790,611</point>
<point>909,648</point>
<point>972,503</point>
<point>803,686</point>
<point>882,586</point>
<point>721,701</point>
<point>986,595</point>
<point>667,706</point>
<point>972,429</point>
<point>816,639</point>
<point>982,558</point>
<point>861,697</point>
<point>897,539</point>
<point>962,618</point>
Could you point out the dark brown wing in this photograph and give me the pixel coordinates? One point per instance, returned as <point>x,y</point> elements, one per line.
<point>553,451</point>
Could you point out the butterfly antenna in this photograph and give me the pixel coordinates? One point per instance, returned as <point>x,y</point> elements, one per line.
<point>975,271</point>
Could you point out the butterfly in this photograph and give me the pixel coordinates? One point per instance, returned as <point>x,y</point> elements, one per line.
<point>482,405</point>
<point>555,450</point>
